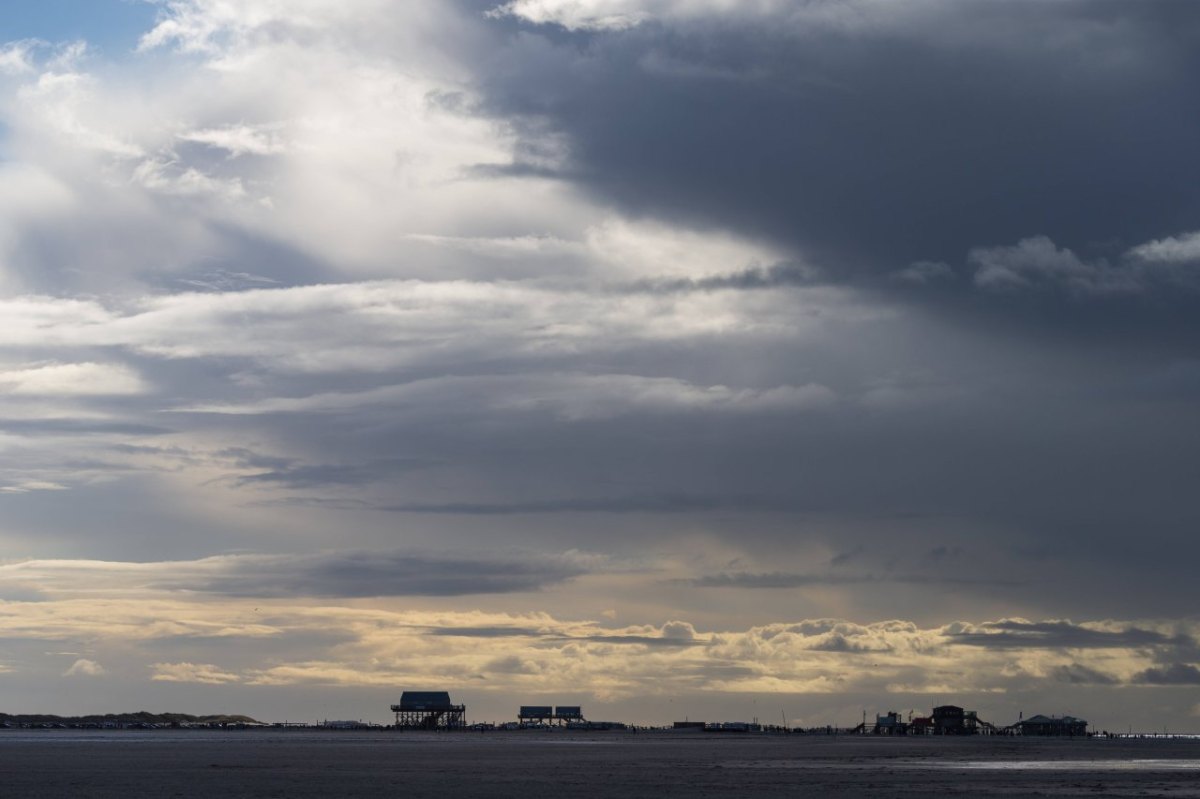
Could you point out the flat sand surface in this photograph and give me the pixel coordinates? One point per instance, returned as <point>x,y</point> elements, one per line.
<point>255,763</point>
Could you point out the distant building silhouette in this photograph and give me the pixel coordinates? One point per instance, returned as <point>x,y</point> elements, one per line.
<point>1047,725</point>
<point>949,720</point>
<point>428,710</point>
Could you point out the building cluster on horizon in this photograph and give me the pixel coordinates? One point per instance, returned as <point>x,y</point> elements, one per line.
<point>954,720</point>
<point>719,726</point>
<point>547,715</point>
<point>433,710</point>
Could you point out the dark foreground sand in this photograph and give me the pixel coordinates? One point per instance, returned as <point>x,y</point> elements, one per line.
<point>62,763</point>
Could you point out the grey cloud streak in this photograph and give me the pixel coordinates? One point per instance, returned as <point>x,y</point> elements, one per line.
<point>793,580</point>
<point>1022,635</point>
<point>35,427</point>
<point>383,574</point>
<point>487,632</point>
<point>344,574</point>
<point>299,475</point>
<point>667,503</point>
<point>555,637</point>
<point>1079,674</point>
<point>1175,674</point>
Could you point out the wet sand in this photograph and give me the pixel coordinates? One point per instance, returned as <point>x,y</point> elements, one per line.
<point>65,763</point>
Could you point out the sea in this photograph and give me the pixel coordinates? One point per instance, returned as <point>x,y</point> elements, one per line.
<point>524,763</point>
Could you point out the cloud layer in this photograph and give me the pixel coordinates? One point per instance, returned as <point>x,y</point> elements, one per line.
<point>493,655</point>
<point>533,334</point>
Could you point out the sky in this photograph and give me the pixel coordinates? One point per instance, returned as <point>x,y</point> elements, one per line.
<point>672,358</point>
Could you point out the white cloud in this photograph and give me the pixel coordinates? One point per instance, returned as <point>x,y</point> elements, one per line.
<point>240,140</point>
<point>169,177</point>
<point>22,57</point>
<point>333,574</point>
<point>1037,261</point>
<point>570,396</point>
<point>1030,260</point>
<point>67,110</point>
<point>1179,249</point>
<point>26,486</point>
<point>844,16</point>
<point>349,102</point>
<point>373,326</point>
<point>648,249</point>
<point>349,646</point>
<point>71,380</point>
<point>204,673</point>
<point>214,27</point>
<point>622,14</point>
<point>84,668</point>
<point>621,249</point>
<point>16,58</point>
<point>68,57</point>
<point>373,143</point>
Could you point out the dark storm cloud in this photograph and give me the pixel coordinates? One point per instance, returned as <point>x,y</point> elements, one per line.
<point>1175,674</point>
<point>379,574</point>
<point>1015,484</point>
<point>1078,674</point>
<point>893,139</point>
<point>1013,634</point>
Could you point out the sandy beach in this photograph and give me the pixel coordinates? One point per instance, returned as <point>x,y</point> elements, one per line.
<point>57,763</point>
